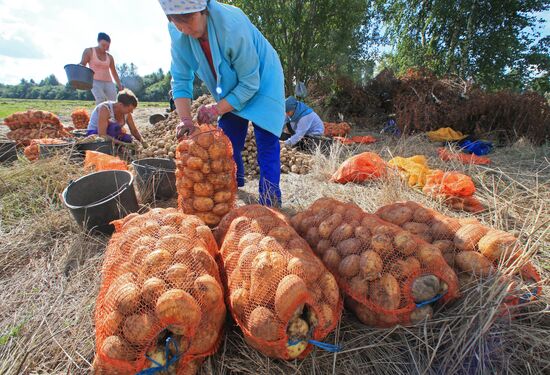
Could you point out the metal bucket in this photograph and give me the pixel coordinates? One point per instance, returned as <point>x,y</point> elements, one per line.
<point>156,178</point>
<point>79,76</point>
<point>99,198</point>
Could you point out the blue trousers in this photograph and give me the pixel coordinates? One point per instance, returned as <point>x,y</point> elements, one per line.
<point>269,156</point>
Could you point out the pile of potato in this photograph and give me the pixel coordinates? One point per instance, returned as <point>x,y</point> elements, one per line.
<point>32,152</point>
<point>341,129</point>
<point>471,248</point>
<point>291,159</point>
<point>32,124</point>
<point>280,294</point>
<point>160,280</point>
<point>205,175</point>
<point>388,275</point>
<point>80,118</point>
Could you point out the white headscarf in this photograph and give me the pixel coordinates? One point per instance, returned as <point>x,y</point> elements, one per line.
<point>182,6</point>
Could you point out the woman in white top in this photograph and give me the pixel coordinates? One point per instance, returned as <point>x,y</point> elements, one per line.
<point>103,65</point>
<point>109,117</point>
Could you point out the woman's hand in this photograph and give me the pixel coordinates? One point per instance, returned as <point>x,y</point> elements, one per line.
<point>185,128</point>
<point>208,114</point>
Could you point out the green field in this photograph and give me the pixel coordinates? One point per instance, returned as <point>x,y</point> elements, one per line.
<point>59,107</point>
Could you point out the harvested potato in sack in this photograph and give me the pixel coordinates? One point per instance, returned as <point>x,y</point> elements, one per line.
<point>389,276</point>
<point>160,307</point>
<point>205,176</point>
<point>474,250</point>
<point>279,293</point>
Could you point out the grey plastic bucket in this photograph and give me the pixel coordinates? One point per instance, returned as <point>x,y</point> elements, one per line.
<point>101,197</point>
<point>79,76</point>
<point>156,178</point>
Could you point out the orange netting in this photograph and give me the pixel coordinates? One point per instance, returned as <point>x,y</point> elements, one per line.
<point>366,139</point>
<point>32,119</point>
<point>447,155</point>
<point>98,161</point>
<point>389,276</point>
<point>160,280</point>
<point>360,168</point>
<point>80,118</point>
<point>341,129</point>
<point>471,248</point>
<point>279,293</point>
<point>32,152</point>
<point>455,188</point>
<point>206,175</point>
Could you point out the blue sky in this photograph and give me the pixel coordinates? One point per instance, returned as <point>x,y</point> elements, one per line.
<point>38,37</point>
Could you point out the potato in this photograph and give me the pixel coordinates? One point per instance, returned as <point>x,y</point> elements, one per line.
<point>198,151</point>
<point>206,169</point>
<point>349,247</point>
<point>217,166</point>
<point>424,288</point>
<point>291,291</point>
<point>445,246</point>
<point>185,183</point>
<point>341,233</point>
<point>467,237</point>
<point>115,347</point>
<point>206,337</point>
<point>498,245</point>
<point>282,233</point>
<point>422,215</point>
<point>322,247</point>
<point>329,225</point>
<point>297,329</point>
<point>296,349</point>
<point>249,239</point>
<point>329,288</point>
<point>405,243</point>
<point>444,228</point>
<point>125,297</point>
<point>204,260</point>
<point>416,228</point>
<point>218,151</point>
<point>179,309</point>
<point>450,258</point>
<point>208,291</point>
<point>220,181</point>
<point>209,218</point>
<point>203,189</point>
<point>221,209</point>
<point>156,262</point>
<point>308,270</point>
<point>179,276</point>
<point>387,230</point>
<point>382,244</point>
<point>306,223</point>
<point>263,324</point>
<point>349,266</point>
<point>353,214</point>
<point>222,196</point>
<point>362,312</point>
<point>385,292</point>
<point>363,234</point>
<point>370,265</point>
<point>267,270</point>
<point>474,263</point>
<point>111,323</point>
<point>312,237</point>
<point>332,258</point>
<point>296,220</point>
<point>205,139</point>
<point>195,163</point>
<point>421,313</point>
<point>152,290</point>
<point>359,288</point>
<point>167,230</point>
<point>171,243</point>
<point>239,302</point>
<point>430,256</point>
<point>139,328</point>
<point>193,175</point>
<point>229,165</point>
<point>404,268</point>
<point>203,204</point>
<point>397,214</point>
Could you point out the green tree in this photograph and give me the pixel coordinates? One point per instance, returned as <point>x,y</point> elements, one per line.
<point>492,41</point>
<point>313,36</point>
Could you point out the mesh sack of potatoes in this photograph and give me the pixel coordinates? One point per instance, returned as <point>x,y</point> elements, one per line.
<point>474,250</point>
<point>160,304</point>
<point>388,275</point>
<point>80,118</point>
<point>205,176</point>
<point>32,119</point>
<point>279,293</point>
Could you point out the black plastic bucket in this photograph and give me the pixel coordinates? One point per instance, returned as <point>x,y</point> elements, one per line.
<point>156,178</point>
<point>79,76</point>
<point>105,147</point>
<point>99,198</point>
<point>8,151</point>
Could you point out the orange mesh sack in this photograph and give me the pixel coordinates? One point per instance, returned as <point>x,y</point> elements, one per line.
<point>360,168</point>
<point>206,175</point>
<point>98,161</point>
<point>471,248</point>
<point>455,188</point>
<point>32,120</point>
<point>340,129</point>
<point>32,152</point>
<point>80,118</point>
<point>281,296</point>
<point>160,304</point>
<point>389,276</point>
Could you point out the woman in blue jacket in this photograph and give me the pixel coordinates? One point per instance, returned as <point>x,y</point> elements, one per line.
<point>242,71</point>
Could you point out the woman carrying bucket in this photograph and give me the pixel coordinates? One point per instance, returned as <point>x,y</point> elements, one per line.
<point>242,72</point>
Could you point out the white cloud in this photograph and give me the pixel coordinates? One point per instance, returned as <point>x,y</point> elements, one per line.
<point>57,31</point>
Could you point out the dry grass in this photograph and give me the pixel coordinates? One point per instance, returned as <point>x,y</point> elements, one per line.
<point>49,273</point>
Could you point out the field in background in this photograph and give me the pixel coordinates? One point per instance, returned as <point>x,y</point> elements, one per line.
<point>59,107</point>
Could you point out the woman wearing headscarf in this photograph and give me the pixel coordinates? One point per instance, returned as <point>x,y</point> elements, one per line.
<point>301,121</point>
<point>242,71</point>
<point>103,65</point>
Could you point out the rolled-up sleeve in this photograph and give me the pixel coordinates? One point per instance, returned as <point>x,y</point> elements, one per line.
<point>246,63</point>
<point>182,74</point>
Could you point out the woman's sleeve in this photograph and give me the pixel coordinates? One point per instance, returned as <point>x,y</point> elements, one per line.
<point>245,61</point>
<point>182,74</point>
<point>303,126</point>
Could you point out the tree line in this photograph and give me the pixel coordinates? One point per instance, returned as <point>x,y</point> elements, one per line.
<point>495,43</point>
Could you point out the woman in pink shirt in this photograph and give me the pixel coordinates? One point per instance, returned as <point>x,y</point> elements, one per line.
<point>103,65</point>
